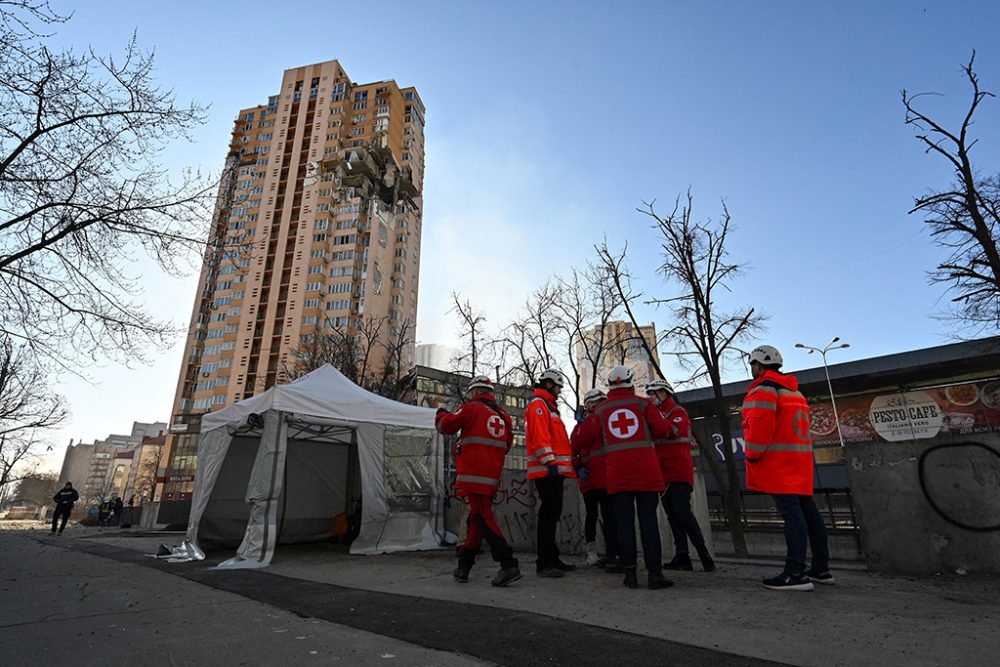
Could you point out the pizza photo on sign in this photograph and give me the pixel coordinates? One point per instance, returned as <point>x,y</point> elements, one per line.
<point>990,395</point>
<point>822,422</point>
<point>962,394</point>
<point>854,423</point>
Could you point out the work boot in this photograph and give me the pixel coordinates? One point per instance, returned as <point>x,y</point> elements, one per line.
<point>565,567</point>
<point>466,559</point>
<point>679,562</point>
<point>631,580</point>
<point>655,580</point>
<point>615,567</point>
<point>707,563</point>
<point>506,575</point>
<point>592,557</point>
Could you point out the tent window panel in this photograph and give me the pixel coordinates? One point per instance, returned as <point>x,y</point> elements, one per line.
<point>315,489</point>
<point>408,469</point>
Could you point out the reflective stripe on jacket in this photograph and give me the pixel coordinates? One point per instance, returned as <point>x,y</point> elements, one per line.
<point>776,436</point>
<point>628,425</point>
<point>545,437</point>
<point>486,437</point>
<point>674,451</point>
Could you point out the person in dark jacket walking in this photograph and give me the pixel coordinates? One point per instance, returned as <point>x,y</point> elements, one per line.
<point>64,506</point>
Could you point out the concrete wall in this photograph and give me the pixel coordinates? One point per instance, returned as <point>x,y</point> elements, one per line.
<point>771,544</point>
<point>516,503</point>
<point>901,530</point>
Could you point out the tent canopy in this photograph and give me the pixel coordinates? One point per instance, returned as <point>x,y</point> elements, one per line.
<point>326,393</point>
<point>259,463</point>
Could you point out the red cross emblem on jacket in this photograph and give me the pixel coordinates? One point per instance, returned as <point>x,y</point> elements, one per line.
<point>623,423</point>
<point>495,426</point>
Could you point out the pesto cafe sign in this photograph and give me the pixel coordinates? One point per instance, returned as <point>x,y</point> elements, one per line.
<point>913,415</point>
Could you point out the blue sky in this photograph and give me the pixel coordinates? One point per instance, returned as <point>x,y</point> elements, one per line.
<point>548,123</point>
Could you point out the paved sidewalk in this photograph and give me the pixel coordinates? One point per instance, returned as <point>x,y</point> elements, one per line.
<point>864,619</point>
<point>61,605</point>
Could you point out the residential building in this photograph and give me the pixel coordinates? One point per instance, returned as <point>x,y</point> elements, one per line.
<point>618,343</point>
<point>316,231</point>
<point>103,467</point>
<point>434,388</point>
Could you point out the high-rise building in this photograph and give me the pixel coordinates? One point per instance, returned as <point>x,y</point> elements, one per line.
<point>316,232</point>
<point>619,344</point>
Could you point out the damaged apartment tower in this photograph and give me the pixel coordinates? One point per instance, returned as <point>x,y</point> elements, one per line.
<point>317,230</point>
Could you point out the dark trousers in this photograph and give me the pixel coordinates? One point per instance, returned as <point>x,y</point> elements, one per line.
<point>628,504</point>
<point>550,502</point>
<point>62,512</point>
<point>803,523</point>
<point>483,526</point>
<point>599,499</point>
<point>683,524</point>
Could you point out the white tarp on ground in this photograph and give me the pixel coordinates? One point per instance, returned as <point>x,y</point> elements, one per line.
<point>280,466</point>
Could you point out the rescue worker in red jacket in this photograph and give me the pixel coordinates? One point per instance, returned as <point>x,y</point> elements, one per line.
<point>677,466</point>
<point>549,463</point>
<point>486,437</point>
<point>589,464</point>
<point>779,461</point>
<point>627,425</point>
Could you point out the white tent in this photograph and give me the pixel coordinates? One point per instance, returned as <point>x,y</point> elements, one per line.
<point>278,467</point>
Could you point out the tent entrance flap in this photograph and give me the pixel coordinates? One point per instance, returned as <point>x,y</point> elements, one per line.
<point>225,517</point>
<point>317,488</point>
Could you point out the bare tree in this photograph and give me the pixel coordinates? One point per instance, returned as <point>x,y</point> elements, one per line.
<point>615,268</point>
<point>471,331</point>
<point>22,22</point>
<point>37,487</point>
<point>390,380</point>
<point>27,408</point>
<point>964,218</point>
<point>703,334</point>
<point>586,305</point>
<point>82,196</point>
<point>370,353</point>
<point>145,477</point>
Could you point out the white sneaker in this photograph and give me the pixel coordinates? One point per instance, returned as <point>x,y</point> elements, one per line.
<point>592,556</point>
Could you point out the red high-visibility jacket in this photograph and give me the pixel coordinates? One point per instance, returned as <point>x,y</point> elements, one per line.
<point>545,437</point>
<point>487,436</point>
<point>674,451</point>
<point>590,457</point>
<point>626,425</point>
<point>776,436</point>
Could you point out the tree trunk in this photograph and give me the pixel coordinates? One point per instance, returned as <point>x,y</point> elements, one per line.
<point>732,498</point>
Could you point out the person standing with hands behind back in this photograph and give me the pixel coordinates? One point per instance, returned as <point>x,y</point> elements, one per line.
<point>549,462</point>
<point>779,459</point>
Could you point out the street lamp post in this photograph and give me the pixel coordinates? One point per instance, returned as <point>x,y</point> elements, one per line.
<point>832,345</point>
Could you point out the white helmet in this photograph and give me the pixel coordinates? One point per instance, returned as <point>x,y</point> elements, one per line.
<point>594,395</point>
<point>656,385</point>
<point>621,376</point>
<point>481,382</point>
<point>552,375</point>
<point>767,355</point>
